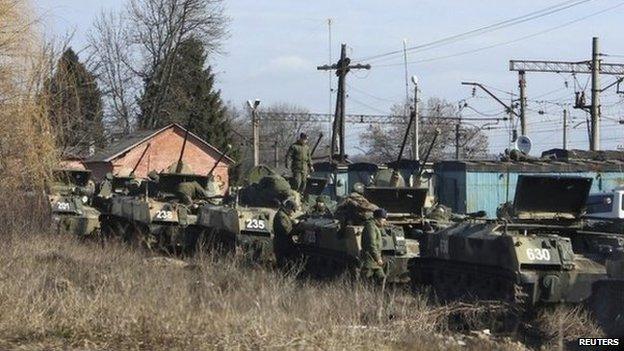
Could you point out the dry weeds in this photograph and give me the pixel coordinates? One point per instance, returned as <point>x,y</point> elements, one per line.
<point>59,293</point>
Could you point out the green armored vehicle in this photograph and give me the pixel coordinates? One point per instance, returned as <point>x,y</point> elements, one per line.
<point>538,254</point>
<point>607,301</point>
<point>70,194</point>
<point>244,222</point>
<point>331,249</point>
<point>160,218</point>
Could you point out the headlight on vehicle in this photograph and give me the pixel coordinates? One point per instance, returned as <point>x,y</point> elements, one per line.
<point>85,199</point>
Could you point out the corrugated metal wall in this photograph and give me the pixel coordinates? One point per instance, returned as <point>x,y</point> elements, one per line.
<point>474,191</point>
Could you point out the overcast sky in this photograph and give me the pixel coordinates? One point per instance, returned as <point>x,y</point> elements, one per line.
<point>275,46</point>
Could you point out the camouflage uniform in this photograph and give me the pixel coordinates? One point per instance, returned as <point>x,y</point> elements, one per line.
<point>355,209</point>
<point>371,252</point>
<point>189,191</point>
<point>320,209</point>
<point>283,246</point>
<point>300,164</point>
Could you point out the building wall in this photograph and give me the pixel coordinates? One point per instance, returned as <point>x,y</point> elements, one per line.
<point>474,191</point>
<point>165,150</point>
<point>99,169</point>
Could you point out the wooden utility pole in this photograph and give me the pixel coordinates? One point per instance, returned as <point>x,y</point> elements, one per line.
<point>342,67</point>
<point>595,67</point>
<point>522,86</point>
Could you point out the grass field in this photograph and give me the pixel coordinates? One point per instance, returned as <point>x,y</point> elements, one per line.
<point>58,293</point>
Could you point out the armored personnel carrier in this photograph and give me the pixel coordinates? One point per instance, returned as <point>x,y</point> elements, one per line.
<point>537,254</point>
<point>332,248</point>
<point>244,222</point>
<point>158,219</point>
<point>607,301</point>
<point>70,194</point>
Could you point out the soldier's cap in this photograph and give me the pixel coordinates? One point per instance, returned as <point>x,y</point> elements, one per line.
<point>289,204</point>
<point>358,188</point>
<point>153,175</point>
<point>303,136</point>
<point>380,213</point>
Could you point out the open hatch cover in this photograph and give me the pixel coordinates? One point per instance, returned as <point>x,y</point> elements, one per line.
<point>554,195</point>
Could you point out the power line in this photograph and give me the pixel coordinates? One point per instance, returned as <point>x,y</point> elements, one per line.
<point>485,29</point>
<point>507,42</point>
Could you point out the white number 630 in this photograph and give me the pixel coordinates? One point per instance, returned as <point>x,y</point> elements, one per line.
<point>538,254</point>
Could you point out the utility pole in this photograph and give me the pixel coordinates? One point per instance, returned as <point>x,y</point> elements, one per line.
<point>595,88</point>
<point>342,67</point>
<point>522,86</point>
<point>275,155</point>
<point>565,129</point>
<point>509,108</point>
<point>457,126</point>
<point>255,126</point>
<point>415,140</point>
<point>595,67</point>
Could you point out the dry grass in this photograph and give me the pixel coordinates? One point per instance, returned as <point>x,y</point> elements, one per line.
<point>59,293</point>
<point>563,325</point>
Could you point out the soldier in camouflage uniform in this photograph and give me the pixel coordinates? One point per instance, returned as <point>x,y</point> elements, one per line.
<point>372,263</point>
<point>320,208</point>
<point>189,191</point>
<point>283,245</point>
<point>355,208</point>
<point>300,162</point>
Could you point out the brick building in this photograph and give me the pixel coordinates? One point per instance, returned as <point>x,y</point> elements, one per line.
<point>164,149</point>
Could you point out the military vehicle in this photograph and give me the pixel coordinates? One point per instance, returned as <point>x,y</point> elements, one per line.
<point>244,221</point>
<point>538,253</point>
<point>332,248</point>
<point>160,220</point>
<point>157,216</point>
<point>607,301</point>
<point>70,194</point>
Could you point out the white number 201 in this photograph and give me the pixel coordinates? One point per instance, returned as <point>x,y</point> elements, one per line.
<point>63,206</point>
<point>255,224</point>
<point>162,214</point>
<point>538,254</point>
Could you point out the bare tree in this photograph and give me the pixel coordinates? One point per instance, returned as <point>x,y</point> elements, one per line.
<point>159,27</point>
<point>112,61</point>
<point>382,143</point>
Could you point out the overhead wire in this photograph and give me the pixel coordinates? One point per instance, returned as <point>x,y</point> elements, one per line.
<point>485,29</point>
<point>550,29</point>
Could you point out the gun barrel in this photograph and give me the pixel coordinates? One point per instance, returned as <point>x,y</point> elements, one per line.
<point>318,141</point>
<point>409,126</point>
<point>140,159</point>
<point>223,153</point>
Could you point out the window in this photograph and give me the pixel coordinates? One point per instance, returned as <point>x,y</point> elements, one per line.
<point>600,203</point>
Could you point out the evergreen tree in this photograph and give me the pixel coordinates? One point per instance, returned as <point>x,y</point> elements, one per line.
<point>75,104</point>
<point>187,96</point>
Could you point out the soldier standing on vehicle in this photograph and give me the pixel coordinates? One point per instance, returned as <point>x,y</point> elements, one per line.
<point>283,245</point>
<point>372,263</point>
<point>300,162</point>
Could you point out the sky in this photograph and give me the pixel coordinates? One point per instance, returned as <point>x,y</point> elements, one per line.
<point>274,47</point>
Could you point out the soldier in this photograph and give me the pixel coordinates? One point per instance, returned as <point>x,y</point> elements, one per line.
<point>283,245</point>
<point>355,208</point>
<point>320,208</point>
<point>189,191</point>
<point>372,263</point>
<point>300,162</point>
